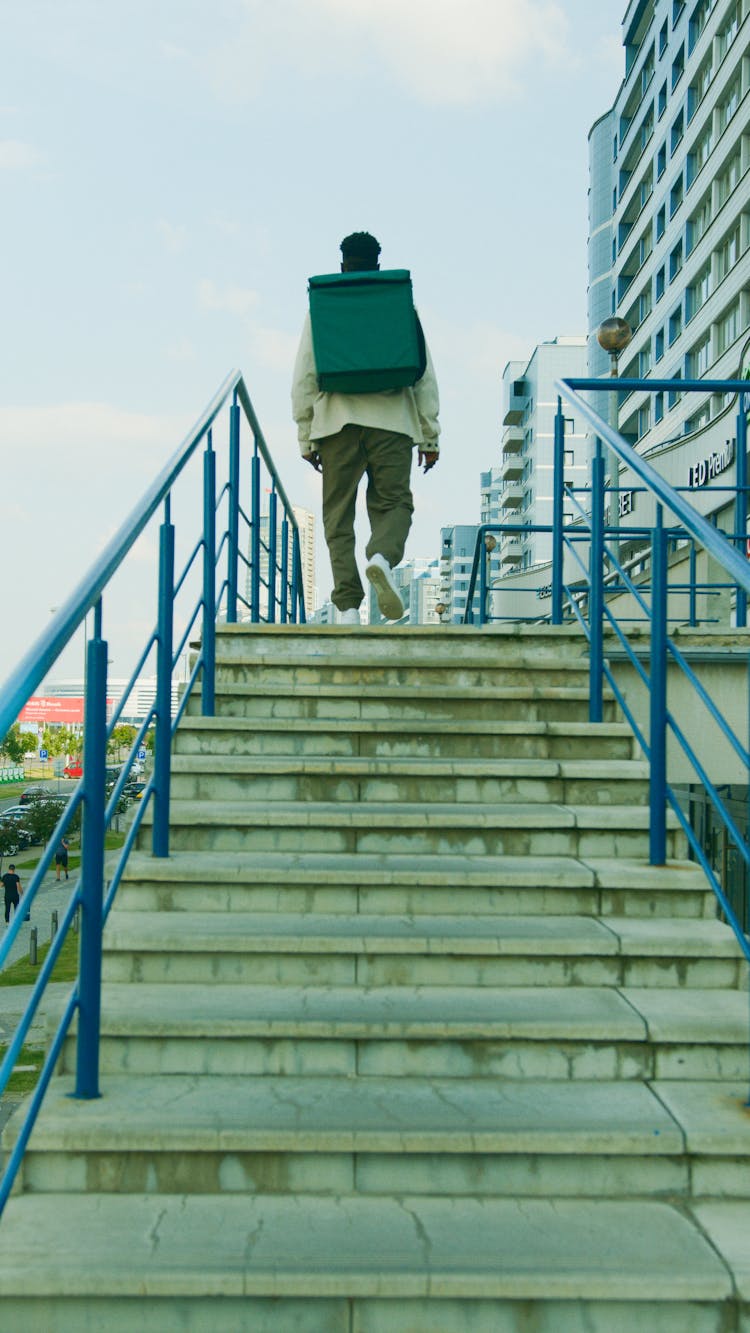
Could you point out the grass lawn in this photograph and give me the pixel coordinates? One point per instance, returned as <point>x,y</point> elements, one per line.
<point>24,1080</point>
<point>22,973</point>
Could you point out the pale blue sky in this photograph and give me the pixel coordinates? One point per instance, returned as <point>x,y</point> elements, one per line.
<point>172,170</point>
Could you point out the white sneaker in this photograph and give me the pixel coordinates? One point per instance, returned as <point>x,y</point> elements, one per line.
<point>350,617</point>
<point>379,573</point>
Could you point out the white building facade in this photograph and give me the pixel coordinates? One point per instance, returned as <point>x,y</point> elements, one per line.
<point>527,469</point>
<point>669,233</point>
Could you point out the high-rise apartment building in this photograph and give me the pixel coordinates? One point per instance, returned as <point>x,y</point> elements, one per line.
<point>669,231</point>
<point>456,558</point>
<point>418,582</point>
<point>306,527</point>
<point>527,469</point>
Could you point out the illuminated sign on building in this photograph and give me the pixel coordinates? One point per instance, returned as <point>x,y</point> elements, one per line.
<point>701,473</point>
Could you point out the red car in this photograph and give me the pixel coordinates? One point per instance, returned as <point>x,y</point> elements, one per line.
<point>74,769</point>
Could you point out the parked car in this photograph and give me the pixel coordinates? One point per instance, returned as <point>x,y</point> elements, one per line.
<point>37,794</point>
<point>14,815</point>
<point>134,790</point>
<point>74,769</point>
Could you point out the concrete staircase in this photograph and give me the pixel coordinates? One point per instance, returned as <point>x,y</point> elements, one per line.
<point>405,1036</point>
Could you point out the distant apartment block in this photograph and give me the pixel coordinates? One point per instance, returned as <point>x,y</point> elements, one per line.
<point>306,528</point>
<point>524,480</point>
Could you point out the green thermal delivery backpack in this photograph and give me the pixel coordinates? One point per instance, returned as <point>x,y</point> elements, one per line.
<point>365,331</point>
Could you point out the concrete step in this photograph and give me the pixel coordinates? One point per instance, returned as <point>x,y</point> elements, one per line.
<point>415,704</point>
<point>387,738</point>
<point>326,1265</point>
<point>502,829</point>
<point>490,1138</point>
<point>299,669</point>
<point>394,884</point>
<point>575,782</point>
<point>480,1032</point>
<point>361,950</point>
<point>437,645</point>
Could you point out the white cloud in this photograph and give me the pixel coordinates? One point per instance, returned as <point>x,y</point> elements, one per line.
<point>63,427</point>
<point>454,51</point>
<point>443,52</point>
<point>235,300</point>
<point>15,155</point>
<point>174,237</point>
<point>274,348</point>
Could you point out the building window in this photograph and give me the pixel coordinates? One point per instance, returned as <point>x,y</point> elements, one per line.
<point>647,128</point>
<point>658,406</point>
<point>729,103</point>
<point>674,395</point>
<point>728,328</point>
<point>644,361</point>
<point>659,345</point>
<point>675,196</point>
<point>678,66</point>
<point>698,292</point>
<point>729,178</point>
<point>675,325</point>
<point>701,220</point>
<point>700,358</point>
<point>728,253</point>
<point>701,152</point>
<point>675,261</point>
<point>659,281</point>
<point>647,72</point>
<point>676,133</point>
<point>729,30</point>
<point>698,21</point>
<point>678,9</point>
<point>700,85</point>
<point>644,420</point>
<point>644,304</point>
<point>661,222</point>
<point>661,161</point>
<point>661,101</point>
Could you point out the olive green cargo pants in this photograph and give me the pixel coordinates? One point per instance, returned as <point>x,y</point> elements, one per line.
<point>345,458</point>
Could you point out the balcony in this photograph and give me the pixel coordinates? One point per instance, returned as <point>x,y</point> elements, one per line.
<point>511,497</point>
<point>513,441</point>
<point>511,551</point>
<point>517,397</point>
<point>512,469</point>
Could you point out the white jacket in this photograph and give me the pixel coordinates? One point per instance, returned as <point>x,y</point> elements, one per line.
<point>410,411</point>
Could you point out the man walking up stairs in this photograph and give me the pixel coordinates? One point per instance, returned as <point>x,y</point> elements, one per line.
<point>406,1035</point>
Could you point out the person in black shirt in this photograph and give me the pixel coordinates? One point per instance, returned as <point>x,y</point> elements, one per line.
<point>13,891</point>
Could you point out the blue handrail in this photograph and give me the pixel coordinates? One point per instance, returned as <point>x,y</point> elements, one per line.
<point>217,544</point>
<point>590,597</point>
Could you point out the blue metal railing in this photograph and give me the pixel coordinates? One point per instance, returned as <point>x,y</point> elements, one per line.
<point>212,570</point>
<point>589,598</point>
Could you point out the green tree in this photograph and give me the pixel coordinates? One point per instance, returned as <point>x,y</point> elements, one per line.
<point>121,739</point>
<point>14,745</point>
<point>8,841</point>
<point>42,816</point>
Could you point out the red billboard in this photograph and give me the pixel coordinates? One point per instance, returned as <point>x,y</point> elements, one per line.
<point>41,708</point>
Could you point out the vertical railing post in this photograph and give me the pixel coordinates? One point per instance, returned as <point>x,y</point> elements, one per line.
<point>255,537</point>
<point>272,553</point>
<point>208,678</point>
<point>482,583</point>
<point>284,594</point>
<point>658,696</point>
<point>693,597</point>
<point>596,589</point>
<point>740,507</point>
<point>297,591</point>
<point>558,495</point>
<point>92,863</point>
<point>164,648</point>
<point>233,545</point>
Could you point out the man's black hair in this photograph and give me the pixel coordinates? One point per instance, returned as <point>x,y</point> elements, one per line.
<point>361,249</point>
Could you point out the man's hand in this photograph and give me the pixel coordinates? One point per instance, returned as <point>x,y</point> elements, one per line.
<point>314,460</point>
<point>429,457</point>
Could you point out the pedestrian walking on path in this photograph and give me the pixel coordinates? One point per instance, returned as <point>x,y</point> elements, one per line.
<point>13,891</point>
<point>346,430</point>
<point>61,858</point>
